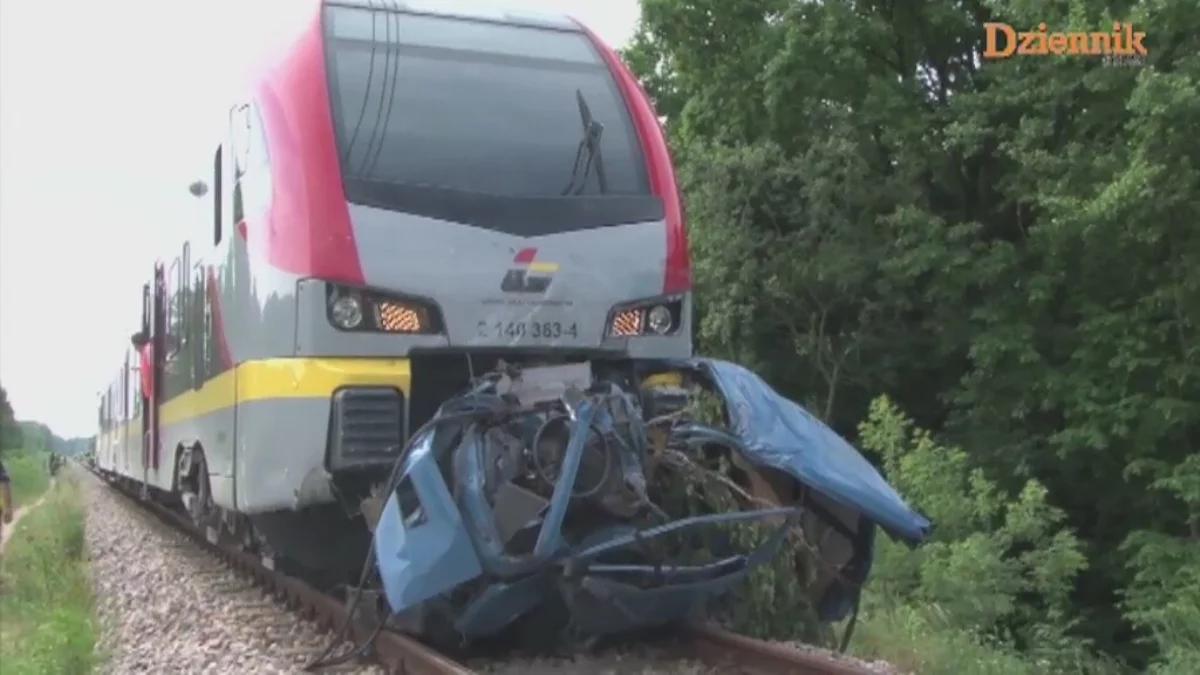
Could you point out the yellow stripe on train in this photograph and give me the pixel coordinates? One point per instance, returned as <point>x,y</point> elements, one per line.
<point>285,378</point>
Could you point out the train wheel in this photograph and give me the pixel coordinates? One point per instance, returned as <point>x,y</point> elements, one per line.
<point>197,494</point>
<point>240,531</point>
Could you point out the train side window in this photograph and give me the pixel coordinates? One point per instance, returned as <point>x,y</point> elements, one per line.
<point>173,320</point>
<point>256,182</point>
<point>210,366</point>
<point>217,197</point>
<point>184,283</point>
<point>125,389</point>
<point>239,134</point>
<point>136,390</point>
<point>199,327</point>
<point>229,217</point>
<point>146,309</point>
<point>251,181</point>
<point>239,145</point>
<point>260,156</point>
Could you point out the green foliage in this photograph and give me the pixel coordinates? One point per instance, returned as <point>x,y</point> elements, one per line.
<point>46,622</point>
<point>775,601</point>
<point>922,640</point>
<point>10,431</point>
<point>34,436</point>
<point>28,475</point>
<point>1164,595</point>
<point>1003,566</point>
<point>1164,598</point>
<point>1006,248</point>
<point>74,447</point>
<point>38,437</point>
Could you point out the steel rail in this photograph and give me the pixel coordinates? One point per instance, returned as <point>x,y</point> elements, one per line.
<point>395,652</point>
<point>398,653</point>
<point>719,647</point>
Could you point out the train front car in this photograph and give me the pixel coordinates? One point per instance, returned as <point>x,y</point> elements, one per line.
<point>508,188</point>
<point>416,196</point>
<point>456,314</point>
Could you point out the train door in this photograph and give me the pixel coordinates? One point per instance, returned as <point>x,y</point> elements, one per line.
<point>136,426</point>
<point>151,346</point>
<point>145,373</point>
<point>158,316</point>
<point>126,419</point>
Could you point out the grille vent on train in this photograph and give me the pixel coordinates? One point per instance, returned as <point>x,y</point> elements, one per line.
<point>367,427</point>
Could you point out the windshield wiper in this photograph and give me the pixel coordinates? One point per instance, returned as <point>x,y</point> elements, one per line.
<point>592,132</point>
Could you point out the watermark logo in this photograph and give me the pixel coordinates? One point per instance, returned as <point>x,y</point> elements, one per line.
<point>1123,44</point>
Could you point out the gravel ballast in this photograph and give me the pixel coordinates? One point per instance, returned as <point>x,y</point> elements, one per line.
<point>873,666</point>
<point>167,606</point>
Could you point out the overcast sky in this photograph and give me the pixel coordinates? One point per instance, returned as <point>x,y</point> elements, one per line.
<point>107,111</point>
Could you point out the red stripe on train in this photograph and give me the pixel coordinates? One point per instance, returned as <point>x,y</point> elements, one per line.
<point>307,230</point>
<point>678,277</point>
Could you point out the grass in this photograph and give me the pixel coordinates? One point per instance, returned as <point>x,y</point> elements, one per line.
<point>29,473</point>
<point>915,642</point>
<point>919,640</point>
<point>46,603</point>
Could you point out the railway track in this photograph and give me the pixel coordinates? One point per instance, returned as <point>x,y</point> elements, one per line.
<point>722,650</point>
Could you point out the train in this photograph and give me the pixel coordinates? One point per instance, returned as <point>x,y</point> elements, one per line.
<point>406,195</point>
<point>439,325</point>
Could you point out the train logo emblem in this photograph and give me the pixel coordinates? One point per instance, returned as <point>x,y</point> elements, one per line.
<point>528,275</point>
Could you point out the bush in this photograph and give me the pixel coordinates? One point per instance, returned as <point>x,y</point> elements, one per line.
<point>998,571</point>
<point>1164,596</point>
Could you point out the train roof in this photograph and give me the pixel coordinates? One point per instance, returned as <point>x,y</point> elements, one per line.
<point>467,10</point>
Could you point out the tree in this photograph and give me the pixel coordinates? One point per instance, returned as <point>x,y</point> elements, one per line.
<point>10,431</point>
<point>37,436</point>
<point>1007,249</point>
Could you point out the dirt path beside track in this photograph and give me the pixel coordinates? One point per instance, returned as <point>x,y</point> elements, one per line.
<point>10,528</point>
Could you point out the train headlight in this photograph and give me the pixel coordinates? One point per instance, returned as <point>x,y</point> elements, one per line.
<point>660,320</point>
<point>364,310</point>
<point>347,312</point>
<point>659,316</point>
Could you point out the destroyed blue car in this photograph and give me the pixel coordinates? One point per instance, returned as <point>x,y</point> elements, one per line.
<point>581,503</point>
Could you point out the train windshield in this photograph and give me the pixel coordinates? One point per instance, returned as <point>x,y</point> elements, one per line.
<point>469,120</point>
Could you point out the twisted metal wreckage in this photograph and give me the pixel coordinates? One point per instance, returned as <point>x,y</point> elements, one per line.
<point>585,505</point>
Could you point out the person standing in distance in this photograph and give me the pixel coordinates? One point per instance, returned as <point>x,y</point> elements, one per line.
<point>6,507</point>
